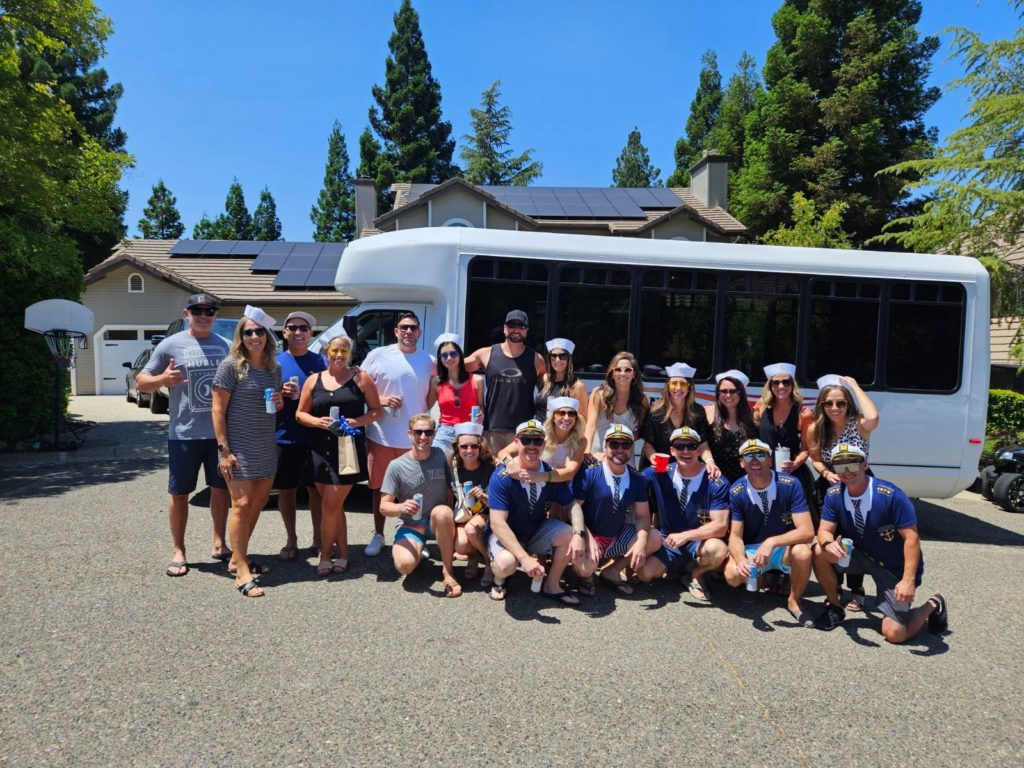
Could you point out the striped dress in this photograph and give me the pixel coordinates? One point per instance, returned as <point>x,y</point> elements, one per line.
<point>251,430</point>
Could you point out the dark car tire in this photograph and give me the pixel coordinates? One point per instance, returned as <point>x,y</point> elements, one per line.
<point>141,401</point>
<point>1008,491</point>
<point>157,403</point>
<point>988,479</point>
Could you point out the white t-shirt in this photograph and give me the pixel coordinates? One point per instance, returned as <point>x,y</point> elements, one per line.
<point>396,373</point>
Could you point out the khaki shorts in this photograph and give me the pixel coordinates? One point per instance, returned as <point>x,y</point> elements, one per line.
<point>496,439</point>
<point>377,459</point>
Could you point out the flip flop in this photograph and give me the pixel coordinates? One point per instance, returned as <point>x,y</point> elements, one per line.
<point>497,592</point>
<point>324,569</point>
<point>854,604</point>
<point>288,554</point>
<point>177,565</point>
<point>803,618</point>
<point>223,555</point>
<point>248,587</point>
<point>561,597</point>
<point>254,568</point>
<point>452,589</point>
<point>587,588</point>
<point>698,592</point>
<point>339,565</point>
<point>618,586</point>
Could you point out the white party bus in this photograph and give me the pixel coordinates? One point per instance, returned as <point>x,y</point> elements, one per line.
<point>912,329</point>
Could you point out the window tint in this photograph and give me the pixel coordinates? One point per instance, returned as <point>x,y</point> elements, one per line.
<point>497,286</point>
<point>594,312</point>
<point>370,330</point>
<point>677,319</point>
<point>120,335</point>
<point>925,339</point>
<point>761,315</point>
<point>842,335</point>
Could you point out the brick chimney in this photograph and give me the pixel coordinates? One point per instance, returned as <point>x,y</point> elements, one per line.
<point>366,204</point>
<point>709,179</point>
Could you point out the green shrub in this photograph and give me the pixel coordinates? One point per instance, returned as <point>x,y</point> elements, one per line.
<point>1005,411</point>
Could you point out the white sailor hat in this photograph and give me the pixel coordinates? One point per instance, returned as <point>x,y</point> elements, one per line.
<point>847,451</point>
<point>732,373</point>
<point>565,344</point>
<point>680,371</point>
<point>619,431</point>
<point>446,338</point>
<point>753,446</point>
<point>686,433</point>
<point>469,428</point>
<point>530,427</point>
<point>780,369</point>
<point>258,316</point>
<point>830,380</point>
<point>557,403</point>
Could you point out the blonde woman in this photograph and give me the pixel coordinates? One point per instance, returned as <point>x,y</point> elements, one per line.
<point>677,408</point>
<point>244,426</point>
<point>354,394</point>
<point>783,422</point>
<point>620,399</point>
<point>564,444</point>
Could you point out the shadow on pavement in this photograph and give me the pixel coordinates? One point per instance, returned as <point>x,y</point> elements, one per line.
<point>29,482</point>
<point>935,522</point>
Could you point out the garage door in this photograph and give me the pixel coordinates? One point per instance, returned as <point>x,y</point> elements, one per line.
<point>119,346</point>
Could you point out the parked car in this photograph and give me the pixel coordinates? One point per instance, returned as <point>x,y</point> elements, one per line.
<point>1003,481</point>
<point>131,392</point>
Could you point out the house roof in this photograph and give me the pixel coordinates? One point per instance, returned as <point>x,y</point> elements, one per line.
<point>652,207</point>
<point>228,278</point>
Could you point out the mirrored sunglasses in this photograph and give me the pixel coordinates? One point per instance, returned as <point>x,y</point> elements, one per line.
<point>448,355</point>
<point>755,455</point>
<point>846,466</point>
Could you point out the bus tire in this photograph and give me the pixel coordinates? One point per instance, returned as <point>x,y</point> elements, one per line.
<point>1008,491</point>
<point>988,479</point>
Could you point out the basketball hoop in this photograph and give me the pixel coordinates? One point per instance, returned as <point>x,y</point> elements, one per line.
<point>64,345</point>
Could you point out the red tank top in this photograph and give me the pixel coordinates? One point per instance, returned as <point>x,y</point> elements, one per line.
<point>456,403</point>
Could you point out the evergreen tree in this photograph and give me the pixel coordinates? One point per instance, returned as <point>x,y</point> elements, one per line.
<point>845,98</point>
<point>237,222</point>
<point>633,167</point>
<point>265,224</point>
<point>703,114</point>
<point>211,229</point>
<point>808,229</point>
<point>334,213</point>
<point>728,133</point>
<point>160,218</point>
<point>415,141</point>
<point>488,159</point>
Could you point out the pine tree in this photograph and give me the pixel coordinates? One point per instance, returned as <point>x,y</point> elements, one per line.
<point>633,168</point>
<point>265,224</point>
<point>845,97</point>
<point>415,141</point>
<point>160,218</point>
<point>211,229</point>
<point>728,134</point>
<point>237,222</point>
<point>488,159</point>
<point>334,212</point>
<point>703,114</point>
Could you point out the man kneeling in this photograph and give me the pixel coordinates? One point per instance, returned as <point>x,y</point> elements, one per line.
<point>417,489</point>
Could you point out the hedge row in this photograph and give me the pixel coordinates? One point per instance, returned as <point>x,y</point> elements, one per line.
<point>1005,411</point>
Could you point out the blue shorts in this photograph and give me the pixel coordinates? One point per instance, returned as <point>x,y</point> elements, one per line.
<point>419,533</point>
<point>184,458</point>
<point>774,562</point>
<point>444,437</point>
<point>678,557</point>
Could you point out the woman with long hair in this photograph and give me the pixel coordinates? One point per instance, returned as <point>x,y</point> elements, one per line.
<point>471,463</point>
<point>560,380</point>
<point>843,413</point>
<point>731,422</point>
<point>619,399</point>
<point>350,390</point>
<point>565,444</point>
<point>677,408</point>
<point>454,389</point>
<point>782,422</point>
<point>245,426</point>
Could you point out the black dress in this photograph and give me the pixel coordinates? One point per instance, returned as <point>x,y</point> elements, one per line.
<point>324,446</point>
<point>558,389</point>
<point>726,452</point>
<point>788,436</point>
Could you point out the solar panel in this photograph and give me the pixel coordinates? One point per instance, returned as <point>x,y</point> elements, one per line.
<point>276,248</point>
<point>217,248</point>
<point>333,249</point>
<point>667,198</point>
<point>246,248</point>
<point>292,278</point>
<point>187,247</point>
<point>269,262</point>
<point>322,275</point>
<point>307,248</point>
<point>298,260</point>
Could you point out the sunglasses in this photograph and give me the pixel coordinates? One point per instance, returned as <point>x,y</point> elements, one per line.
<point>782,382</point>
<point>679,385</point>
<point>559,355</point>
<point>728,392</point>
<point>448,355</point>
<point>755,456</point>
<point>408,328</point>
<point>835,403</point>
<point>515,324</point>
<point>469,446</point>
<point>298,328</point>
<point>564,414</point>
<point>422,432</point>
<point>197,311</point>
<point>622,370</point>
<point>257,332</point>
<point>531,441</point>
<point>684,446</point>
<point>619,445</point>
<point>846,466</point>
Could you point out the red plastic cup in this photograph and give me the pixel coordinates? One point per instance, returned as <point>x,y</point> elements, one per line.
<point>660,462</point>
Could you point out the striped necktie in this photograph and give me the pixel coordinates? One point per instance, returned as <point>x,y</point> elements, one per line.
<point>858,517</point>
<point>684,493</point>
<point>533,496</point>
<point>616,493</point>
<point>764,502</point>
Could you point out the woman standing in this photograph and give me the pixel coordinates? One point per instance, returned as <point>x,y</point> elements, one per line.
<point>731,422</point>
<point>353,392</point>
<point>244,426</point>
<point>620,399</point>
<point>455,390</point>
<point>676,408</point>
<point>560,379</point>
<point>838,419</point>
<point>782,422</point>
<point>471,463</point>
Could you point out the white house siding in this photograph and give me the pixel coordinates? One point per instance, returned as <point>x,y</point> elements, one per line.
<point>455,204</point>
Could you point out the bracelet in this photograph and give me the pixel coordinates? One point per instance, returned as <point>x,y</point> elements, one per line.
<point>549,476</point>
<point>506,460</point>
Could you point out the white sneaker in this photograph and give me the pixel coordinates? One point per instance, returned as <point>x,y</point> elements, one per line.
<point>375,546</point>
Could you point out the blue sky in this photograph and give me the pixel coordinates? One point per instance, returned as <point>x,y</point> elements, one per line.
<point>216,90</point>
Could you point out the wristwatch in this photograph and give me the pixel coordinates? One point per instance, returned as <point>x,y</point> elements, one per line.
<point>222,449</point>
<point>581,534</point>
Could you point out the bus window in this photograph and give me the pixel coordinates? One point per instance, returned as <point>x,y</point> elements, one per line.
<point>593,309</point>
<point>497,286</point>
<point>677,319</point>
<point>842,334</point>
<point>369,330</point>
<point>925,343</point>
<point>761,316</point>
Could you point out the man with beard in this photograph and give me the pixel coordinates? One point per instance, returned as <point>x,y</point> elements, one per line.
<point>511,370</point>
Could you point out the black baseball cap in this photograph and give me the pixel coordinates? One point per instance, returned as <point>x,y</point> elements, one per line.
<point>202,300</point>
<point>517,314</point>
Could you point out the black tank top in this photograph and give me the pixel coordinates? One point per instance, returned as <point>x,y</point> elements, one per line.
<point>558,389</point>
<point>787,436</point>
<point>510,384</point>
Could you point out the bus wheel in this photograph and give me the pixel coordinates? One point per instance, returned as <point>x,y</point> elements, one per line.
<point>1008,491</point>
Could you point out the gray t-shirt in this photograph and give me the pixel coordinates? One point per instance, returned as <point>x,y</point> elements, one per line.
<point>191,403</point>
<point>405,477</point>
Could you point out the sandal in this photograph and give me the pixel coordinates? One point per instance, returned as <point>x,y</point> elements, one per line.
<point>497,592</point>
<point>562,597</point>
<point>339,565</point>
<point>698,592</point>
<point>452,589</point>
<point>324,568</point>
<point>621,587</point>
<point>248,588</point>
<point>254,568</point>
<point>854,604</point>
<point>288,554</point>
<point>587,587</point>
<point>221,553</point>
<point>179,568</point>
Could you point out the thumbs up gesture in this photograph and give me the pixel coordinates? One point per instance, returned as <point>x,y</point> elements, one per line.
<point>173,375</point>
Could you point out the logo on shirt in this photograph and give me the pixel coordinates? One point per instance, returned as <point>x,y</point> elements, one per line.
<point>787,520</point>
<point>510,374</point>
<point>887,532</point>
<point>704,515</point>
<point>201,368</point>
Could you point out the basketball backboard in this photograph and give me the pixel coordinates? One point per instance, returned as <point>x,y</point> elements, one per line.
<point>62,314</point>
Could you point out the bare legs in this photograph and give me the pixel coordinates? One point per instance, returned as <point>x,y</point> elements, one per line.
<point>248,497</point>
<point>333,524</point>
<point>177,515</point>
